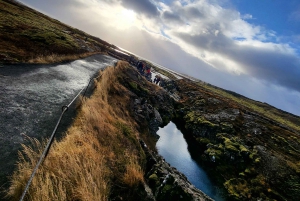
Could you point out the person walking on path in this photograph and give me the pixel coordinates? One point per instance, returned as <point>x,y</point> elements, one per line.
<point>140,66</point>
<point>157,79</point>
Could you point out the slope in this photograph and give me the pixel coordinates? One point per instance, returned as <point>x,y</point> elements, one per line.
<point>27,35</point>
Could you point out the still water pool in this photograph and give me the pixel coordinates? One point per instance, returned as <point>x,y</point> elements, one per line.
<point>173,147</point>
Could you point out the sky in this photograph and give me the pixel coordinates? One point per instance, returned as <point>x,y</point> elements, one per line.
<point>250,47</point>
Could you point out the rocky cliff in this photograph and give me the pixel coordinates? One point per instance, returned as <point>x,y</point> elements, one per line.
<point>254,157</point>
<point>250,155</point>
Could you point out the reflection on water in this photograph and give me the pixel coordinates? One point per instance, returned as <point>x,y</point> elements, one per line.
<point>173,147</point>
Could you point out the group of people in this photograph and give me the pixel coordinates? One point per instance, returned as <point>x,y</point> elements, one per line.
<point>142,67</point>
<point>145,70</point>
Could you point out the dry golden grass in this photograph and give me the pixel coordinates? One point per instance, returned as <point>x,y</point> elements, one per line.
<point>56,58</point>
<point>99,150</point>
<point>133,174</point>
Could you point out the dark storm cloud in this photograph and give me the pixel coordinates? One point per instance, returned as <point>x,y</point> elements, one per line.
<point>192,12</point>
<point>144,7</point>
<point>268,64</point>
<point>170,17</point>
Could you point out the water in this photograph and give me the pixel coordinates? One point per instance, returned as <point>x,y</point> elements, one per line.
<point>173,147</point>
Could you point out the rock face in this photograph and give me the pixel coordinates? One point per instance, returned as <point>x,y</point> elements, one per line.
<point>145,111</point>
<point>252,156</point>
<point>152,107</point>
<point>165,181</point>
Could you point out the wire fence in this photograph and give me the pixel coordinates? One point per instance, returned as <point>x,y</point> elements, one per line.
<point>50,141</point>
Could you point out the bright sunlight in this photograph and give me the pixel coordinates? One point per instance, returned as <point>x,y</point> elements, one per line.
<point>127,18</point>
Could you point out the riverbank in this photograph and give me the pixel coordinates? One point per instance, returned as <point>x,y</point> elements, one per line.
<point>253,156</point>
<point>173,147</point>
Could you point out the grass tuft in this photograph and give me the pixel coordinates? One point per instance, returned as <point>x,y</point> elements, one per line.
<point>56,58</point>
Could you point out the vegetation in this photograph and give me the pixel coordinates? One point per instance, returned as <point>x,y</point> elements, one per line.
<point>55,58</point>
<point>250,148</point>
<point>264,109</point>
<point>29,36</point>
<point>251,155</point>
<point>99,158</point>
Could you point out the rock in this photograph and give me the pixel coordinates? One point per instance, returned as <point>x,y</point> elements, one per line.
<point>167,183</point>
<point>157,116</point>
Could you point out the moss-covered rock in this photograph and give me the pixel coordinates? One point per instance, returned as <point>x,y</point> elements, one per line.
<point>153,181</point>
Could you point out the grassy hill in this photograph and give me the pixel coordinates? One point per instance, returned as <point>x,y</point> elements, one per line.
<point>27,35</point>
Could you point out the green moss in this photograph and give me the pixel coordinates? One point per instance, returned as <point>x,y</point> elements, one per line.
<point>144,90</point>
<point>253,105</point>
<point>193,117</point>
<point>220,146</point>
<point>237,188</point>
<point>226,127</point>
<point>259,180</point>
<point>133,85</point>
<point>243,148</point>
<point>153,180</point>
<point>217,153</point>
<point>166,189</point>
<point>231,145</point>
<point>203,140</point>
<point>190,117</point>
<point>241,174</point>
<point>248,171</point>
<point>254,156</point>
<point>200,102</point>
<point>282,139</point>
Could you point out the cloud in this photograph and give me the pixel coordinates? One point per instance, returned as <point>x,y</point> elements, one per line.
<point>191,37</point>
<point>169,17</point>
<point>295,15</point>
<point>144,7</point>
<point>221,38</point>
<point>275,63</point>
<point>247,17</point>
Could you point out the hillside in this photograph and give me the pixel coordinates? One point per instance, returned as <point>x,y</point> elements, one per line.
<point>250,149</point>
<point>251,155</point>
<point>248,155</point>
<point>28,36</point>
<point>104,154</point>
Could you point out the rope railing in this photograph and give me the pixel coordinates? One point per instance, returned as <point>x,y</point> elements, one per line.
<point>50,141</point>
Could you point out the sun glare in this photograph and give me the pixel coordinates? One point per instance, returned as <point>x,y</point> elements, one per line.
<point>127,17</point>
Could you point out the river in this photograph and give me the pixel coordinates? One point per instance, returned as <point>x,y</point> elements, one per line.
<point>173,147</point>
